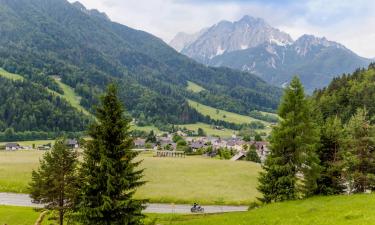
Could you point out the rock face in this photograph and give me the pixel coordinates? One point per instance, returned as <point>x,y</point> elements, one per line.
<point>252,45</point>
<point>228,36</point>
<point>181,40</point>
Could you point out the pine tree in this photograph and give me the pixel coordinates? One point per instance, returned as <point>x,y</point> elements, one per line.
<point>360,157</point>
<point>252,155</point>
<point>331,157</point>
<point>109,172</point>
<point>151,138</point>
<point>55,182</point>
<point>293,145</point>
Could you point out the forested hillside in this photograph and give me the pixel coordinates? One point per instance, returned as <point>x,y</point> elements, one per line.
<point>347,93</point>
<point>41,38</point>
<point>26,106</point>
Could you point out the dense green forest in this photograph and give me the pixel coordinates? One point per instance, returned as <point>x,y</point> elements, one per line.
<point>26,106</point>
<point>41,38</point>
<point>347,93</point>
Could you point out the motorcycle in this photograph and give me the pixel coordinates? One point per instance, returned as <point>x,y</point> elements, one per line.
<point>197,209</point>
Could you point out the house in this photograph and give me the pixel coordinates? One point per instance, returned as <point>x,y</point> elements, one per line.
<point>182,134</point>
<point>12,146</point>
<point>197,145</point>
<point>45,147</point>
<point>139,143</point>
<point>72,143</point>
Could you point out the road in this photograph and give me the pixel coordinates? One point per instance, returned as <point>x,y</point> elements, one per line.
<point>24,200</point>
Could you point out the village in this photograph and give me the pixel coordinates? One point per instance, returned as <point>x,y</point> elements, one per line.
<point>178,142</point>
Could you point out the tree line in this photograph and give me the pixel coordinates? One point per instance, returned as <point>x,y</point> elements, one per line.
<point>313,152</point>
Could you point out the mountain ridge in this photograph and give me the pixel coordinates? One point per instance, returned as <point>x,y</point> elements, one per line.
<point>316,60</point>
<point>44,38</point>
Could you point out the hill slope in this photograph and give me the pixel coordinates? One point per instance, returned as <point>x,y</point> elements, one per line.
<point>26,106</point>
<point>341,210</point>
<point>347,93</point>
<point>41,38</point>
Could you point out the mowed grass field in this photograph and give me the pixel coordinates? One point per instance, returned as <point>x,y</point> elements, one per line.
<point>210,131</point>
<point>17,215</point>
<point>334,210</point>
<point>170,180</point>
<point>31,143</point>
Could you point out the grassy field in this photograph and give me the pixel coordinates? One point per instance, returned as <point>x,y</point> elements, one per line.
<point>72,97</point>
<point>30,143</point>
<point>193,87</point>
<point>147,129</point>
<point>17,215</point>
<point>15,169</point>
<point>10,76</point>
<point>210,130</point>
<point>340,210</point>
<point>333,210</point>
<point>221,114</point>
<point>170,180</point>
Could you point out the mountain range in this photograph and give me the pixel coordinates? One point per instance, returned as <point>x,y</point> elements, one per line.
<point>42,40</point>
<point>252,45</point>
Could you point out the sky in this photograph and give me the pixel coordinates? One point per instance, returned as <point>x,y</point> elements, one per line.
<point>349,22</point>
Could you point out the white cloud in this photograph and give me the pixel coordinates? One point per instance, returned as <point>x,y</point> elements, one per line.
<point>348,22</point>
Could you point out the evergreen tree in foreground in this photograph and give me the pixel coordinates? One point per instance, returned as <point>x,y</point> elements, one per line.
<point>360,156</point>
<point>109,173</point>
<point>55,182</point>
<point>331,152</point>
<point>292,167</point>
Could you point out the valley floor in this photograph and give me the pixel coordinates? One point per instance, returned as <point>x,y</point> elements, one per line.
<point>170,180</point>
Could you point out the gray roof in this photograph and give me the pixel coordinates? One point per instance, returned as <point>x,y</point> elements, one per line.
<point>71,142</point>
<point>11,145</point>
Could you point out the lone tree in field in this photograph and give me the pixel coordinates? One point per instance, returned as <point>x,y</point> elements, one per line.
<point>292,167</point>
<point>55,182</point>
<point>360,156</point>
<point>109,173</point>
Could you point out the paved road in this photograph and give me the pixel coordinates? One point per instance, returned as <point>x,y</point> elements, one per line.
<point>24,200</point>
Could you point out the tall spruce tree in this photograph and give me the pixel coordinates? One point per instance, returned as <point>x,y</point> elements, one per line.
<point>292,167</point>
<point>360,157</point>
<point>55,182</point>
<point>109,171</point>
<point>330,153</point>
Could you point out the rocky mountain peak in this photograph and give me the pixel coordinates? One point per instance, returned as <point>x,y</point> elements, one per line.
<point>306,43</point>
<point>92,12</point>
<point>226,36</point>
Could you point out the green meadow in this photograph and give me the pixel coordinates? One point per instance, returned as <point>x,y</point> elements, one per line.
<point>223,115</point>
<point>169,180</point>
<point>211,131</point>
<point>333,210</point>
<point>17,215</point>
<point>193,87</point>
<point>10,76</point>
